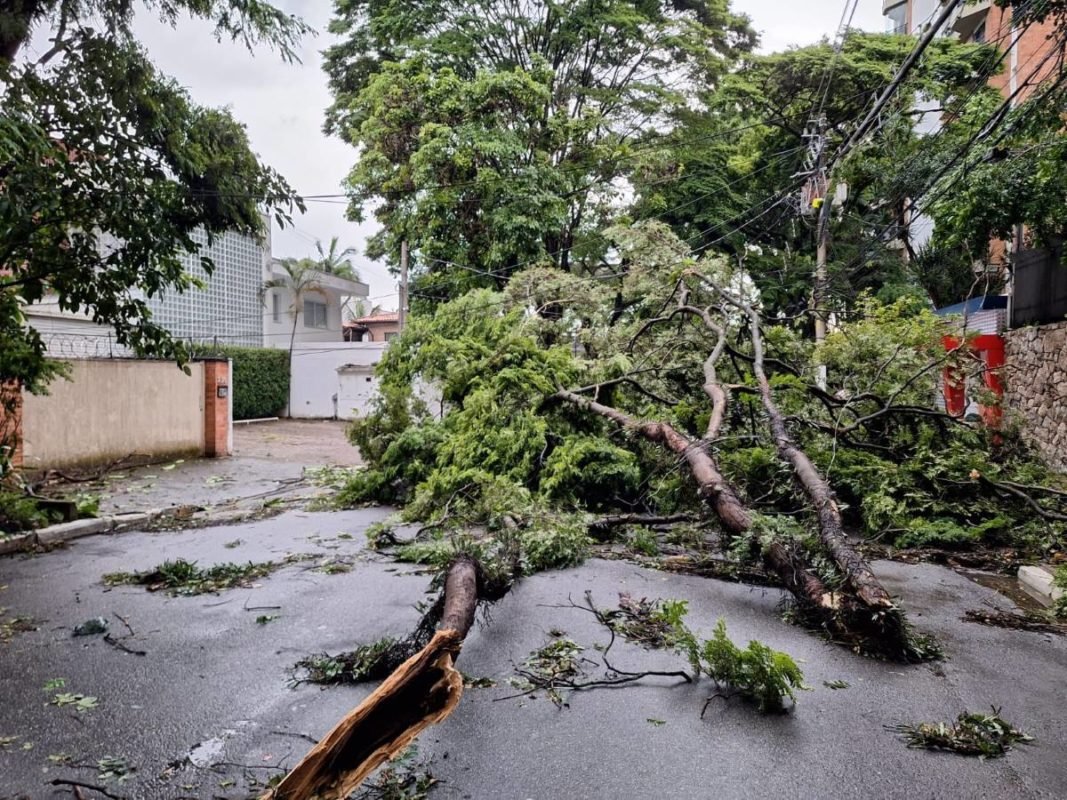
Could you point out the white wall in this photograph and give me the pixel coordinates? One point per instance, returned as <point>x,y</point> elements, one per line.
<point>67,334</point>
<point>322,372</point>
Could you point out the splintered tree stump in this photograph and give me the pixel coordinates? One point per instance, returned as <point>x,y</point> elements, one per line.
<point>421,692</point>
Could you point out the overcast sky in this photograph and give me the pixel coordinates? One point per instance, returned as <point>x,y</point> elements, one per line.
<point>282,105</point>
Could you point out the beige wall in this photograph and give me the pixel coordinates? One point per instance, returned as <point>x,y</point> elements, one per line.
<point>111,409</point>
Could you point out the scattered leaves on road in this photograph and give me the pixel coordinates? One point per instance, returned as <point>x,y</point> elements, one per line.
<point>477,683</point>
<point>181,577</point>
<point>80,702</point>
<point>982,735</point>
<point>112,768</point>
<point>10,626</point>
<point>405,778</point>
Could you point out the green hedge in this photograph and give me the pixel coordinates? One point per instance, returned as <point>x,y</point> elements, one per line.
<point>260,380</point>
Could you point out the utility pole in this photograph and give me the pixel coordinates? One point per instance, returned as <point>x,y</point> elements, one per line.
<point>815,199</point>
<point>402,311</point>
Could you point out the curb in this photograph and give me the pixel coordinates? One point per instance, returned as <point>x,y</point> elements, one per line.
<point>1037,582</point>
<point>67,531</point>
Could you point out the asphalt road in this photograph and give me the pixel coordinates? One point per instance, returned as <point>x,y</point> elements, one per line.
<point>268,463</point>
<point>210,708</point>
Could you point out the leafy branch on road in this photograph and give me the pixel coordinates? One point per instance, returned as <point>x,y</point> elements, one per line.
<point>185,578</point>
<point>982,735</point>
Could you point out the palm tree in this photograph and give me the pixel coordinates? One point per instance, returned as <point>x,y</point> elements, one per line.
<point>335,262</point>
<point>300,277</point>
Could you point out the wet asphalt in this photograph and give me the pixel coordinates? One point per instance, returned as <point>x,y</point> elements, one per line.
<point>209,710</point>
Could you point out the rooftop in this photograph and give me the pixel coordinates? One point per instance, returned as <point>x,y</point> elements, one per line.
<point>388,316</point>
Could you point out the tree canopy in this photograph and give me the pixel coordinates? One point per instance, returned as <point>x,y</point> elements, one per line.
<point>108,168</point>
<point>493,135</point>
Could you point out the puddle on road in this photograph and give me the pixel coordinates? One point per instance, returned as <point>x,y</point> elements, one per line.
<point>1006,585</point>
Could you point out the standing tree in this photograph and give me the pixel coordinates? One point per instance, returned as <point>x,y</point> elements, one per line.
<point>108,168</point>
<point>495,134</point>
<point>334,261</point>
<point>731,160</point>
<point>300,278</point>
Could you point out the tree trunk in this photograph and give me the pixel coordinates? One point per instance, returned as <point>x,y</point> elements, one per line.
<point>723,500</point>
<point>292,343</point>
<point>15,24</point>
<point>421,692</point>
<point>831,527</point>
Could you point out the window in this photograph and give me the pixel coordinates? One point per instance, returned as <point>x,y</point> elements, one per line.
<point>276,306</point>
<point>390,336</point>
<point>979,33</point>
<point>314,314</point>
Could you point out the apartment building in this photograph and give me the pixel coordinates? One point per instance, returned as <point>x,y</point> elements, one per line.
<point>1026,65</point>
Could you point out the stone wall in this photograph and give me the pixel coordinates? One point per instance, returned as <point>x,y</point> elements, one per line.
<point>1037,386</point>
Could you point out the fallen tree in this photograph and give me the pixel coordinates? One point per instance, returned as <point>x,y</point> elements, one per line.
<point>691,400</point>
<point>421,691</point>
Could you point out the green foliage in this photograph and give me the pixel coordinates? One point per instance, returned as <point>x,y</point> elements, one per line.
<point>1015,179</point>
<point>181,577</point>
<point>79,702</point>
<point>644,542</point>
<point>551,668</point>
<point>114,768</point>
<point>260,379</point>
<point>19,512</point>
<point>491,140</point>
<point>921,478</point>
<point>982,735</point>
<point>398,440</point>
<point>759,472</point>
<point>724,161</point>
<point>759,673</point>
<point>509,455</point>
<point>589,470</point>
<point>1060,582</point>
<point>404,778</point>
<point>437,553</point>
<point>351,667</point>
<point>655,624</point>
<point>110,170</point>
<point>554,542</point>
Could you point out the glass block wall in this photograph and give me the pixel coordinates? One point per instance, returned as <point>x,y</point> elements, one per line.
<point>229,309</point>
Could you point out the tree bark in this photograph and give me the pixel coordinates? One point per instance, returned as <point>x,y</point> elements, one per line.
<point>15,24</point>
<point>831,528</point>
<point>722,499</point>
<point>421,692</point>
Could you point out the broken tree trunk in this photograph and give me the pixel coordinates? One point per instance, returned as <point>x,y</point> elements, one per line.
<point>857,571</point>
<point>724,501</point>
<point>421,692</point>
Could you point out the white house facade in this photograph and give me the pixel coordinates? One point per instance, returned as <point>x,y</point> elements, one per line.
<point>316,313</point>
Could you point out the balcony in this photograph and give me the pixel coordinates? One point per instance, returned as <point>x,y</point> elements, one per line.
<point>970,17</point>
